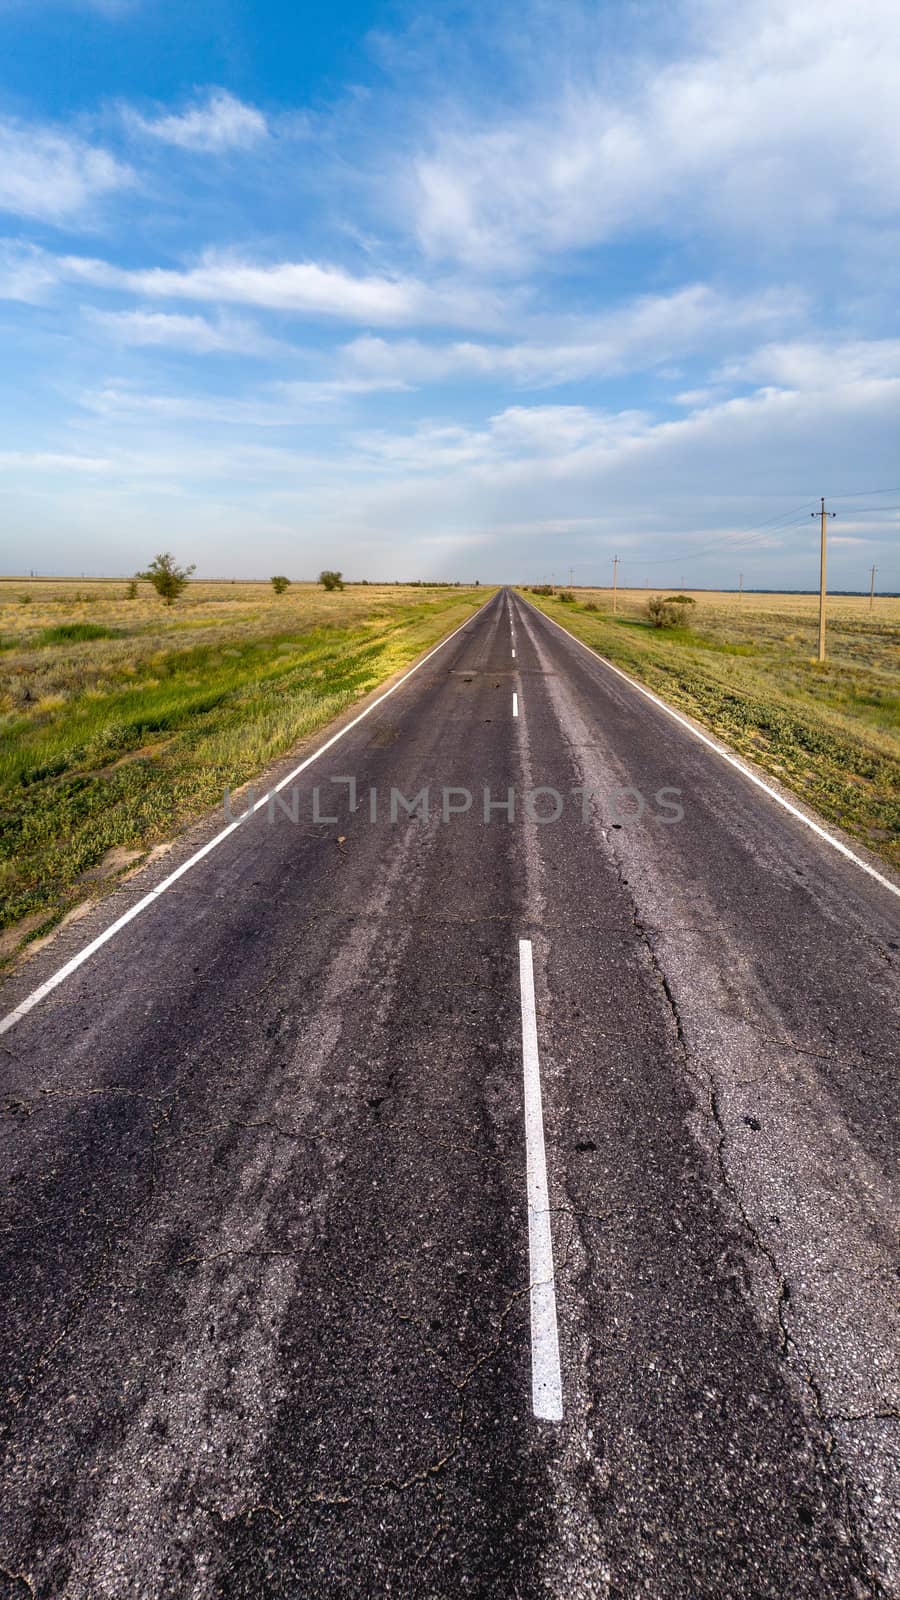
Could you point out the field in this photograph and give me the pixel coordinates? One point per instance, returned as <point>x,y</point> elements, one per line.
<point>122,719</point>
<point>746,668</point>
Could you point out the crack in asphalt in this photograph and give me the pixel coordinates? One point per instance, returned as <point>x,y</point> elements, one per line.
<point>788,1348</point>
<point>19,1577</point>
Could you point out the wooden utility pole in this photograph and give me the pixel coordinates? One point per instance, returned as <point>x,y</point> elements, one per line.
<point>822,581</point>
<point>872,589</point>
<point>740,587</point>
<point>615,582</point>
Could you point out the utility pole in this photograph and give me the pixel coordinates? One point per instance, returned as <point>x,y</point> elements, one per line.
<point>615,582</point>
<point>872,589</point>
<point>740,587</point>
<point>571,584</point>
<point>822,583</point>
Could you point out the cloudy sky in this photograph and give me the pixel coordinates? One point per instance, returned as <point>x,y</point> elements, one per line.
<point>451,290</point>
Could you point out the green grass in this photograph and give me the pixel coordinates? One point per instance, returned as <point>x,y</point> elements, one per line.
<point>123,737</point>
<point>830,732</point>
<point>76,633</point>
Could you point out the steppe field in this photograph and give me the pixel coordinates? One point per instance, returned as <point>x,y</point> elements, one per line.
<point>122,719</point>
<point>746,668</point>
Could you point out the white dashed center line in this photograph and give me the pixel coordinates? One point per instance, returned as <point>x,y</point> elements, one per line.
<point>515,705</point>
<point>546,1383</point>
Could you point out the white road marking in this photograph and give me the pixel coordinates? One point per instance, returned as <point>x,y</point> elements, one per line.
<point>37,995</point>
<point>514,655</point>
<point>733,761</point>
<point>546,1382</point>
<point>515,705</point>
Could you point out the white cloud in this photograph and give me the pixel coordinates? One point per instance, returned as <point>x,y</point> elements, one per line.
<point>50,461</point>
<point>586,482</point>
<point>51,176</point>
<point>643,333</point>
<point>777,119</point>
<point>818,364</point>
<point>222,122</point>
<point>188,333</point>
<point>304,287</point>
<point>694,397</point>
<point>531,488</point>
<point>26,272</point>
<point>276,405</point>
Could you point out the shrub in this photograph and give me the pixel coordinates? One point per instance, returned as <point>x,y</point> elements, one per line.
<point>567,597</point>
<point>131,593</point>
<point>167,579</point>
<point>331,580</point>
<point>24,599</point>
<point>280,583</point>
<point>590,605</point>
<point>669,611</point>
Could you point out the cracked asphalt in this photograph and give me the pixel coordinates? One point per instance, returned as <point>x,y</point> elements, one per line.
<point>264,1242</point>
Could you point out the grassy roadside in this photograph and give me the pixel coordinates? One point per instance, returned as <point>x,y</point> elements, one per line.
<point>123,721</point>
<point>831,733</point>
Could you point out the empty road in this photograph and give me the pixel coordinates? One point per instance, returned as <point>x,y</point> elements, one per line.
<point>497,1198</point>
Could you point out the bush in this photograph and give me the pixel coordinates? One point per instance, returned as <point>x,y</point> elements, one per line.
<point>131,593</point>
<point>590,605</point>
<point>669,611</point>
<point>542,588</point>
<point>567,597</point>
<point>167,579</point>
<point>280,583</point>
<point>24,599</point>
<point>331,580</point>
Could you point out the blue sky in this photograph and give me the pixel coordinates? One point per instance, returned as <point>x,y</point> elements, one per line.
<point>451,290</point>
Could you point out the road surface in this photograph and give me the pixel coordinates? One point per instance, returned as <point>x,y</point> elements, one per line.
<point>289,1311</point>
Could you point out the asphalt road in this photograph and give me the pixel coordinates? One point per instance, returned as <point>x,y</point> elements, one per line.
<point>269,1328</point>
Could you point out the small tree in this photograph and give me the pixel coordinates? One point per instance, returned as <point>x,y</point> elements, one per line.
<point>131,593</point>
<point>331,580</point>
<point>279,584</point>
<point>167,579</point>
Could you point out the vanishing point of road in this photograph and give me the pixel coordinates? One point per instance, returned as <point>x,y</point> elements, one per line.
<point>496,1198</point>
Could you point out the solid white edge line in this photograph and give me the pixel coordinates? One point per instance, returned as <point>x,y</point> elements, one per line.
<point>65,971</point>
<point>515,704</point>
<point>546,1382</point>
<point>726,755</point>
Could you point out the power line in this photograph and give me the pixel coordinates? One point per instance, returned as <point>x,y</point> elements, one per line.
<point>862,494</point>
<point>756,536</point>
<point>759,532</point>
<point>747,540</point>
<point>867,511</point>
